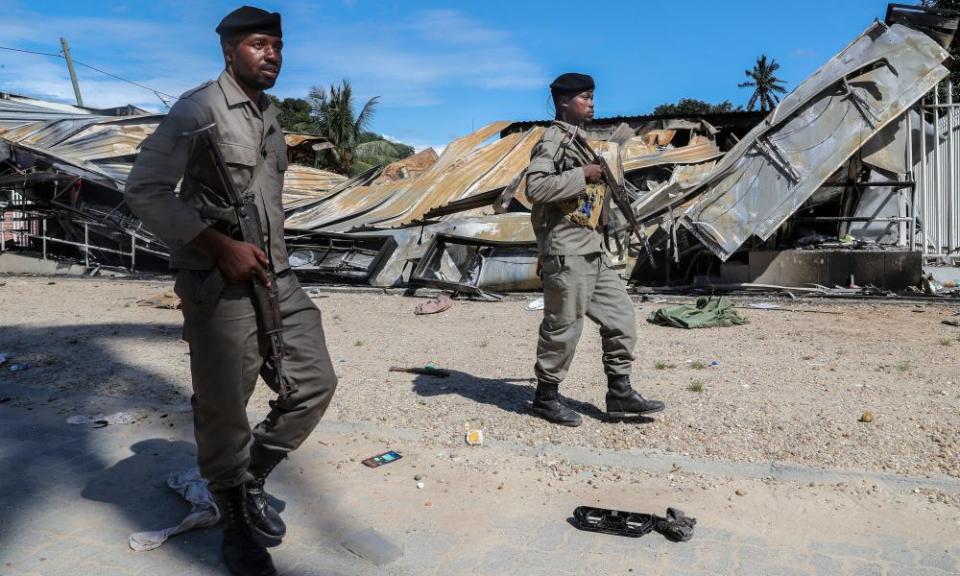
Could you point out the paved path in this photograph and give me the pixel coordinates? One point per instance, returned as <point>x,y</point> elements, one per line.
<point>71,495</point>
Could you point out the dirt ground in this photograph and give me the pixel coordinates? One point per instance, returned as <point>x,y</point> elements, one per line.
<point>789,388</point>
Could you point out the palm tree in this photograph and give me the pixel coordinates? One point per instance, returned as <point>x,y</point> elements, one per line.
<point>334,112</point>
<point>766,86</point>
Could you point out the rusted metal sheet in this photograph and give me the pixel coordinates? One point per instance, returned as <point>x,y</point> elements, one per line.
<point>484,191</point>
<point>409,167</point>
<point>769,174</point>
<point>447,176</point>
<point>638,154</point>
<point>358,207</point>
<point>303,184</point>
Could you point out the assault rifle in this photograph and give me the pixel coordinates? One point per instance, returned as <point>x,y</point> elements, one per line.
<point>244,215</point>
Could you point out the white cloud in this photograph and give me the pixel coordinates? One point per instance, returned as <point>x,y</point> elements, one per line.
<point>407,61</point>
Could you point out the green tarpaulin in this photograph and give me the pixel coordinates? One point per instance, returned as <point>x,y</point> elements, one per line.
<point>708,312</point>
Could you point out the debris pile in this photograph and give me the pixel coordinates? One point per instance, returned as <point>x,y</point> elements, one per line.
<point>734,199</point>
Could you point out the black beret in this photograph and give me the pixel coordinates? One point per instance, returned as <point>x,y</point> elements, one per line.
<point>250,20</point>
<point>572,82</point>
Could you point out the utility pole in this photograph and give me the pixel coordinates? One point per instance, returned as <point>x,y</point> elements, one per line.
<point>73,73</point>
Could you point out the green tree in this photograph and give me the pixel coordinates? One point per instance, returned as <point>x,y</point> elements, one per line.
<point>694,107</point>
<point>335,117</point>
<point>765,84</point>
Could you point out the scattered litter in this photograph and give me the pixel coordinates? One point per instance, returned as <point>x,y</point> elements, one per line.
<point>373,546</point>
<point>381,459</point>
<point>19,367</point>
<point>167,300</point>
<point>631,524</point>
<point>428,370</point>
<point>475,438</point>
<point>434,305</point>
<point>420,485</point>
<point>764,306</point>
<point>203,510</point>
<point>930,286</point>
<point>100,421</point>
<point>675,526</point>
<point>708,312</point>
<point>535,304</point>
<point>867,416</point>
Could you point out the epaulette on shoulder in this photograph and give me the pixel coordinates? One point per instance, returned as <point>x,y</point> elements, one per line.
<point>193,91</point>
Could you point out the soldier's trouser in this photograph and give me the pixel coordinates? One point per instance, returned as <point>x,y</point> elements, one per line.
<point>226,356</point>
<point>578,286</point>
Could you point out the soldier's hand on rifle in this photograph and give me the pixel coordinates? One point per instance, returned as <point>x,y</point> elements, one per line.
<point>238,261</point>
<point>592,173</point>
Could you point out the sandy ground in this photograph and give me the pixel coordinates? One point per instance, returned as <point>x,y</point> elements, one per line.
<point>788,388</point>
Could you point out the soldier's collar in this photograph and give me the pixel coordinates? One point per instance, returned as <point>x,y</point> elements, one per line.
<point>231,90</point>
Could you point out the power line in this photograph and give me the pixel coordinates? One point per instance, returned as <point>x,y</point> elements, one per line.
<point>158,93</point>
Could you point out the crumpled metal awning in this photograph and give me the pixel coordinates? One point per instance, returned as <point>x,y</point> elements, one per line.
<point>772,171</point>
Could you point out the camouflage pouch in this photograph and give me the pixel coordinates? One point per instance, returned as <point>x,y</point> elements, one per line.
<point>585,210</point>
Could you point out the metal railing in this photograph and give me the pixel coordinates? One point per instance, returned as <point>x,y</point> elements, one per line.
<point>24,236</point>
<point>937,173</point>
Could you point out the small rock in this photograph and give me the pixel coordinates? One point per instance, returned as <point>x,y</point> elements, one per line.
<point>418,477</point>
<point>420,485</point>
<point>867,416</point>
<point>741,492</point>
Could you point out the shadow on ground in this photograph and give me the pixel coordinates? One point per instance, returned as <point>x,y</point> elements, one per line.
<point>508,394</point>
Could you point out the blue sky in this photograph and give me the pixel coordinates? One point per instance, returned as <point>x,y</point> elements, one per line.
<point>441,69</point>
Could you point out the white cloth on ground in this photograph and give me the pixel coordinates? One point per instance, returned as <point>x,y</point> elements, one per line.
<point>203,510</point>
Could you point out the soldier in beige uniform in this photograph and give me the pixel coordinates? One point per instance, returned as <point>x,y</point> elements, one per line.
<point>214,273</point>
<point>566,189</point>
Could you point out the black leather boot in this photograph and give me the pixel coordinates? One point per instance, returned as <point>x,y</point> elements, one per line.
<point>242,553</point>
<point>547,405</point>
<point>623,400</point>
<point>267,525</point>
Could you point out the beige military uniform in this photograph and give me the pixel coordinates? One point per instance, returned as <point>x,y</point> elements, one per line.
<point>578,278</point>
<point>227,353</point>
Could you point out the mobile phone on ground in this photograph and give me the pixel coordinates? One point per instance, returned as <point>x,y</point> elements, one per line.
<point>381,459</point>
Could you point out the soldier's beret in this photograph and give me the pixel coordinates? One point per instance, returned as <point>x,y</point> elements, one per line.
<point>572,82</point>
<point>250,20</point>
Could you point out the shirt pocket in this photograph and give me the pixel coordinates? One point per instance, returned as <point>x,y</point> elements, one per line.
<point>241,160</point>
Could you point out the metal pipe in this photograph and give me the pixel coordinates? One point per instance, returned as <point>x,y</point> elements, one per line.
<point>133,253</point>
<point>44,238</point>
<point>73,73</point>
<point>951,164</point>
<point>3,231</point>
<point>895,185</point>
<point>899,219</point>
<point>923,180</point>
<point>86,245</point>
<point>936,170</point>
<point>911,177</point>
